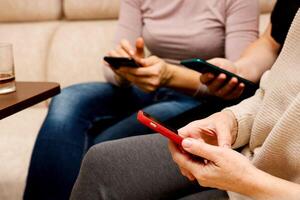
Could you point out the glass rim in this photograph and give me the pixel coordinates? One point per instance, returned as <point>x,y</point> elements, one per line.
<point>5,44</point>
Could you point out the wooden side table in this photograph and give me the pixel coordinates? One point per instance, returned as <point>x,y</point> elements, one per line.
<point>26,95</point>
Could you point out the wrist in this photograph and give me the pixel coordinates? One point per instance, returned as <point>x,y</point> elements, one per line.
<point>168,75</point>
<point>251,184</point>
<point>243,70</point>
<point>233,125</point>
<point>261,185</point>
<point>121,81</point>
<point>264,186</point>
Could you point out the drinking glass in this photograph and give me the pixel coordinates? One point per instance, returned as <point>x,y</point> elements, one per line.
<point>7,73</point>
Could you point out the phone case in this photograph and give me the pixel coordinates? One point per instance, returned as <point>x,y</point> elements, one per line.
<point>159,127</point>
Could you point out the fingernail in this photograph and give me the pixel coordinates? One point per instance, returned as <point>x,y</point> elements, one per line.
<point>186,143</point>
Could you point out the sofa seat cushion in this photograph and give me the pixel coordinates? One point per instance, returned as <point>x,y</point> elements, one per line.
<point>17,136</point>
<point>91,9</point>
<point>30,10</point>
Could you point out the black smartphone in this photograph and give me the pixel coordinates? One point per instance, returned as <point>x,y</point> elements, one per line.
<point>202,66</point>
<point>117,62</point>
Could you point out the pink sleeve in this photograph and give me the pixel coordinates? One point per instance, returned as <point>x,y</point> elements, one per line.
<point>129,27</point>
<point>241,26</point>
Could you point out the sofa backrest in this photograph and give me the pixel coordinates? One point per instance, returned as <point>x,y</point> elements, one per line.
<point>41,10</point>
<point>30,10</point>
<point>91,9</point>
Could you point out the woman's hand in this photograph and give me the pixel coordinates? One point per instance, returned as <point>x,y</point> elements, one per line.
<point>124,49</point>
<point>155,73</point>
<point>226,169</point>
<point>218,129</point>
<point>218,86</point>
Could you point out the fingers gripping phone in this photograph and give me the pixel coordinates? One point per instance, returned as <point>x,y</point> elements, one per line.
<point>117,62</point>
<point>159,127</point>
<point>202,66</point>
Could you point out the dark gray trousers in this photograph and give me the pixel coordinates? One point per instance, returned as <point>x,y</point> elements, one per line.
<point>136,168</point>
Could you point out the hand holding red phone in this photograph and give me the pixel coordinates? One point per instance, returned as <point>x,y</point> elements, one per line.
<point>218,85</point>
<point>218,129</point>
<point>202,130</point>
<point>223,170</point>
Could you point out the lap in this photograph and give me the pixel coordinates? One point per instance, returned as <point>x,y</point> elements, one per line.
<point>129,126</point>
<point>132,168</point>
<point>93,97</point>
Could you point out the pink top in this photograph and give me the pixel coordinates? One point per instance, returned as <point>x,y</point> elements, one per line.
<point>183,29</point>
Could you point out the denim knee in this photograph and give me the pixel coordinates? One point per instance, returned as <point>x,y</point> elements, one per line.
<point>80,98</point>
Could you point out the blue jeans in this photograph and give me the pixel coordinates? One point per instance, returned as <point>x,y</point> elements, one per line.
<point>87,114</point>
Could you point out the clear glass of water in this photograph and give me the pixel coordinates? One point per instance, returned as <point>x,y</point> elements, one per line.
<point>7,72</point>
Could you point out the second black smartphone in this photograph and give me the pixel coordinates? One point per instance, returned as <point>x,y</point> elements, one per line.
<point>202,66</point>
<point>117,62</point>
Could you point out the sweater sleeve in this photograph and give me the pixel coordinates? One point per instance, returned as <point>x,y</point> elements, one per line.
<point>241,26</point>
<point>129,27</point>
<point>245,113</point>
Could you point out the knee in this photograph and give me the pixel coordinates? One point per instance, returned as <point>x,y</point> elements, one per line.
<point>98,157</point>
<point>89,183</point>
<point>69,97</point>
<point>92,160</point>
<point>66,100</point>
<point>99,164</point>
<point>76,98</point>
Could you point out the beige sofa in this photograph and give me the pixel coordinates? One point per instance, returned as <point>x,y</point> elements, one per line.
<point>54,40</point>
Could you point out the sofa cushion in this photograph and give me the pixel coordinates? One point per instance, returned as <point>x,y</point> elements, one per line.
<point>91,9</point>
<point>30,10</point>
<point>18,133</point>
<point>76,51</point>
<point>30,45</point>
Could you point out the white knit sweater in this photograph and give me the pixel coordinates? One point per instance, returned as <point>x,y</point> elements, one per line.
<point>269,122</point>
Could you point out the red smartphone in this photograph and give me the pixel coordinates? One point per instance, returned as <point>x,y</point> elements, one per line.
<point>159,127</point>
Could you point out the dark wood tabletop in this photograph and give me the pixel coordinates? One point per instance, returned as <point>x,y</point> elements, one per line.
<point>26,95</point>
